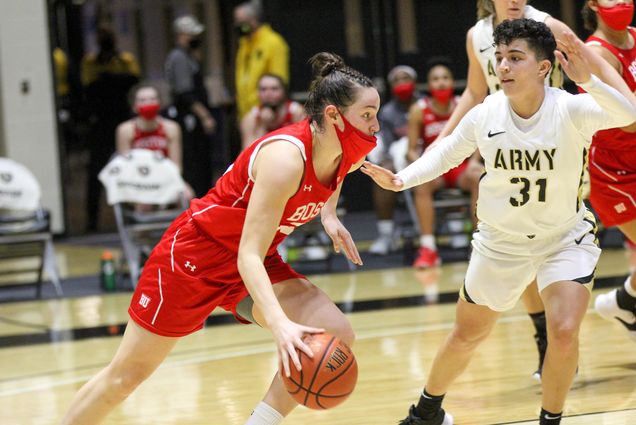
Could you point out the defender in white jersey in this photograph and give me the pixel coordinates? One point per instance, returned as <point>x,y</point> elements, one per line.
<point>481,81</point>
<point>533,223</point>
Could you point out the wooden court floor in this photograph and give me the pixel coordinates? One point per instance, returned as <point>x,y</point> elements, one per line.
<point>49,348</point>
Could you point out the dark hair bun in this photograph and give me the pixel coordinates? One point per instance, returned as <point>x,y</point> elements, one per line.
<point>323,64</point>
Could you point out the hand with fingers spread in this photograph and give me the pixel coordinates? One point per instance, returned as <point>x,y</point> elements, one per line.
<point>576,64</point>
<point>384,178</point>
<point>288,336</point>
<point>341,238</point>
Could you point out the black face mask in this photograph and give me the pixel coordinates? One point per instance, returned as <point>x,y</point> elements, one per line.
<point>242,29</point>
<point>195,43</point>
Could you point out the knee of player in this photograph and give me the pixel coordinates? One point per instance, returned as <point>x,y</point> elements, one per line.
<point>123,381</point>
<point>466,338</point>
<point>563,334</point>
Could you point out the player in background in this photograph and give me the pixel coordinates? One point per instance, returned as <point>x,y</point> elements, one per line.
<point>275,110</point>
<point>613,151</point>
<point>222,250</point>
<point>427,117</point>
<point>533,223</point>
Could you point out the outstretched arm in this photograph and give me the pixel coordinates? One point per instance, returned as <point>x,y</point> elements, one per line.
<point>278,170</point>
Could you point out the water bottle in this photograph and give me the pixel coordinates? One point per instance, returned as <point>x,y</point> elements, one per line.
<point>107,272</point>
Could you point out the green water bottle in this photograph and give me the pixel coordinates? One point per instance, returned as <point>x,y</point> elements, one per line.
<point>107,272</point>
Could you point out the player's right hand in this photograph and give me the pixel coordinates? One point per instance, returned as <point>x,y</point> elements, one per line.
<point>386,179</point>
<point>288,336</point>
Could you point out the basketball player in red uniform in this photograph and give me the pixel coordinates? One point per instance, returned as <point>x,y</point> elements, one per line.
<point>613,152</point>
<point>274,111</point>
<point>427,117</point>
<point>149,130</point>
<point>222,251</point>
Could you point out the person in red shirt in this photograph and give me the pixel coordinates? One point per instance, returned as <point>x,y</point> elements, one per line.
<point>427,118</point>
<point>612,158</point>
<point>222,250</point>
<point>148,129</point>
<point>275,110</point>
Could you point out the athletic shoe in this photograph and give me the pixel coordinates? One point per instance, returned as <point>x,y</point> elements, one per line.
<point>607,307</point>
<point>383,245</point>
<point>426,258</point>
<point>542,347</point>
<point>442,418</point>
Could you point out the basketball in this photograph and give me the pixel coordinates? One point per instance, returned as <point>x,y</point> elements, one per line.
<point>326,380</point>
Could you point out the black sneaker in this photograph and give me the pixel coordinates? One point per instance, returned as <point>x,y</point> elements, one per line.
<point>542,347</point>
<point>442,418</point>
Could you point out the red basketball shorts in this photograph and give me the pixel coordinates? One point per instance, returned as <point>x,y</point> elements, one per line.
<point>187,276</point>
<point>613,185</point>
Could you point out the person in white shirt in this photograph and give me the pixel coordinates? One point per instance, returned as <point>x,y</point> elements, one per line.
<point>532,221</point>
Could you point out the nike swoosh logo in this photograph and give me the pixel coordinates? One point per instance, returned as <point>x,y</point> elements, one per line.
<point>491,134</point>
<point>484,49</point>
<point>551,417</point>
<point>578,241</point>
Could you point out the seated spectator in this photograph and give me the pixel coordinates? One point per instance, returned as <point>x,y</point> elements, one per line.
<point>149,130</point>
<point>393,119</point>
<point>274,110</point>
<point>427,118</point>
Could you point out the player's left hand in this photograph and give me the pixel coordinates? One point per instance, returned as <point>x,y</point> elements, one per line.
<point>576,65</point>
<point>341,238</point>
<point>386,179</point>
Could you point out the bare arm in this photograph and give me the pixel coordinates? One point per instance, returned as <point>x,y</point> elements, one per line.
<point>173,131</point>
<point>250,130</point>
<point>414,132</point>
<point>475,92</point>
<point>124,136</point>
<point>278,170</point>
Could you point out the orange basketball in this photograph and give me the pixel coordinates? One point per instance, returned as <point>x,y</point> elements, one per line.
<point>326,380</point>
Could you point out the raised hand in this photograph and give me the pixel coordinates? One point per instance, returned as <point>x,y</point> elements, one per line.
<point>384,178</point>
<point>576,65</point>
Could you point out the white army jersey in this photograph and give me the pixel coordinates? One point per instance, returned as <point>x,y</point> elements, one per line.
<point>532,183</point>
<point>483,46</point>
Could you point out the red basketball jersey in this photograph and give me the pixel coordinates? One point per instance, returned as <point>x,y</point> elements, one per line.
<point>432,123</point>
<point>615,138</point>
<point>154,140</point>
<point>221,212</point>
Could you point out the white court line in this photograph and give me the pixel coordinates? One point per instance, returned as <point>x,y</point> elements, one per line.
<point>259,350</point>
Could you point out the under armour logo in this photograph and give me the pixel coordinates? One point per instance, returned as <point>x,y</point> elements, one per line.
<point>144,300</point>
<point>307,188</point>
<point>190,266</point>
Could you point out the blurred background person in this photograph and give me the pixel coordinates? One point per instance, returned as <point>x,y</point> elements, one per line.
<point>427,118</point>
<point>107,76</point>
<point>393,127</point>
<point>184,75</point>
<point>274,110</point>
<point>261,51</point>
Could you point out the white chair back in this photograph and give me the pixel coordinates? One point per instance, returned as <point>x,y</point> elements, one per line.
<point>19,190</point>
<point>142,176</point>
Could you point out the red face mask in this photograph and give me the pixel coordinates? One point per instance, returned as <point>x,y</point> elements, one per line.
<point>442,96</point>
<point>148,111</point>
<point>355,143</point>
<point>617,17</point>
<point>404,92</point>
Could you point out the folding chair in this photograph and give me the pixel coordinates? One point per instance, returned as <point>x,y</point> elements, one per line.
<point>24,225</point>
<point>146,192</point>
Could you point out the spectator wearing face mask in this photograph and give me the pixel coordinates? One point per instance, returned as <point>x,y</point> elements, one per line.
<point>261,51</point>
<point>107,76</point>
<point>185,77</point>
<point>274,110</point>
<point>393,128</point>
